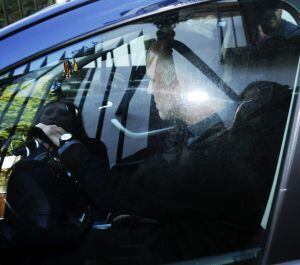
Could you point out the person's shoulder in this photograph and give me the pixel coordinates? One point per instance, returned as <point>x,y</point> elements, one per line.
<point>289,29</point>
<point>264,106</point>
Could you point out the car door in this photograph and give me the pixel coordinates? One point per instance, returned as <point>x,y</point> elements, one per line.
<point>224,71</point>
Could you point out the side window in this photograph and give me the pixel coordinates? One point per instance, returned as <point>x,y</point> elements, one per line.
<point>191,107</point>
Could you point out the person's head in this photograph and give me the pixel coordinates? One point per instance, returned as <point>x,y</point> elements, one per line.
<point>163,79</point>
<point>271,20</point>
<point>65,115</point>
<point>173,87</point>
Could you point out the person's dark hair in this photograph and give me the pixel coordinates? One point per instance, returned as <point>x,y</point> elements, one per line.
<point>65,115</point>
<point>264,91</point>
<point>262,97</point>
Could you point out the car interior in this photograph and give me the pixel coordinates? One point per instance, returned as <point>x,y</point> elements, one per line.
<point>105,80</point>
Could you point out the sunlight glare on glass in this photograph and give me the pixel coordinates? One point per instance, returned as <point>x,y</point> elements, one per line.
<point>197,96</point>
<point>9,161</point>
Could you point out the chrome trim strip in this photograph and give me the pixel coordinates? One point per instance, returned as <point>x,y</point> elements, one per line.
<point>131,134</point>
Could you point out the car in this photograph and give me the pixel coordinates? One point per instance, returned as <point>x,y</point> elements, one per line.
<point>207,90</point>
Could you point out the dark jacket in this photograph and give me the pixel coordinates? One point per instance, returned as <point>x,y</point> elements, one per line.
<point>287,30</point>
<point>210,197</point>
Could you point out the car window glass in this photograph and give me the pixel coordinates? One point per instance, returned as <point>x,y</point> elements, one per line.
<point>288,17</point>
<point>193,91</point>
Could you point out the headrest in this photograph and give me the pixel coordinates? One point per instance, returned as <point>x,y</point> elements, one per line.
<point>260,98</point>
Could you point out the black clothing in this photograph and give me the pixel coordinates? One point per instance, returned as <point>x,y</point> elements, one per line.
<point>210,196</point>
<point>287,30</point>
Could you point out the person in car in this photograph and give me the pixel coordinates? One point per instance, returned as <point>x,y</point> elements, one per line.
<point>206,191</point>
<point>67,116</point>
<point>273,25</point>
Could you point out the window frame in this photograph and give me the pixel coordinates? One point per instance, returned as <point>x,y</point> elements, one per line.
<point>290,170</point>
<point>284,205</point>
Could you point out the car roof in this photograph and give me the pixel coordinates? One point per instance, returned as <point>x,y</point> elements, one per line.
<point>63,22</point>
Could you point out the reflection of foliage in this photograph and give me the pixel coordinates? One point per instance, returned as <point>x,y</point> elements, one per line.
<point>4,176</point>
<point>17,102</point>
<point>28,95</point>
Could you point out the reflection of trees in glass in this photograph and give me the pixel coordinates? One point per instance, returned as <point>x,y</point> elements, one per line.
<point>4,176</point>
<point>27,116</point>
<point>29,111</point>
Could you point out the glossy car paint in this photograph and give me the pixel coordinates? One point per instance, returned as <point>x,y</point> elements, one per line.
<point>67,21</point>
<point>63,22</point>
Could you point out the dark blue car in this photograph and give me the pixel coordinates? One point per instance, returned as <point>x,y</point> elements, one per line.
<point>151,132</point>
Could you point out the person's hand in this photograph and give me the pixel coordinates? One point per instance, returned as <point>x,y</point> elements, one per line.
<point>261,36</point>
<point>53,132</point>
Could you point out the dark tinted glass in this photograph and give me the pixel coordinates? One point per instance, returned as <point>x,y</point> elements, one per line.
<point>191,106</point>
